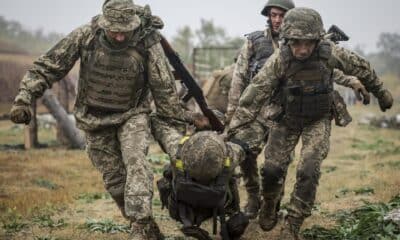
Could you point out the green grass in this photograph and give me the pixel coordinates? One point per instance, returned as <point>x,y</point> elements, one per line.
<point>92,197</point>
<point>45,183</point>
<point>365,222</point>
<point>47,221</point>
<point>105,226</point>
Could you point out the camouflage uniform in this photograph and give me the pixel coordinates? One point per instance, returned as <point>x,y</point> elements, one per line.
<point>112,104</point>
<point>313,125</point>
<point>200,183</point>
<point>216,89</point>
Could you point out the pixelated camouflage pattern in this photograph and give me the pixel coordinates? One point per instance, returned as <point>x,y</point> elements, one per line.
<point>285,134</point>
<point>203,155</point>
<point>284,137</point>
<point>217,88</point>
<point>119,153</point>
<point>121,85</point>
<point>169,139</point>
<point>302,23</point>
<point>263,85</point>
<point>240,79</point>
<point>58,61</point>
<point>116,142</point>
<point>283,4</point>
<point>119,16</point>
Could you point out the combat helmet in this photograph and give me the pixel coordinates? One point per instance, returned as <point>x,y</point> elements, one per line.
<point>203,156</point>
<point>302,23</point>
<point>283,4</point>
<point>119,16</point>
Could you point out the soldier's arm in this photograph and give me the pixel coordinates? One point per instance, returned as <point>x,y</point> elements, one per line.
<point>259,91</point>
<point>345,80</point>
<point>353,64</point>
<point>163,88</point>
<point>239,79</point>
<point>50,67</point>
<point>352,82</point>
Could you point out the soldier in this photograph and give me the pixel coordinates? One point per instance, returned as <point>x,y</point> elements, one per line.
<point>200,186</point>
<point>121,62</point>
<point>258,47</point>
<point>217,88</point>
<point>302,70</point>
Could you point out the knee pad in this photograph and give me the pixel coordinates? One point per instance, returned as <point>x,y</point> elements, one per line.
<point>271,175</point>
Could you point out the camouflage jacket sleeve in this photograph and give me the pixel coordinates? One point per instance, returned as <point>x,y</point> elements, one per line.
<point>345,80</point>
<point>240,78</point>
<point>51,67</point>
<point>259,91</point>
<point>352,64</point>
<point>162,86</point>
<point>236,154</point>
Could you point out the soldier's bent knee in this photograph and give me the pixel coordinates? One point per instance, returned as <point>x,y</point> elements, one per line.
<point>272,175</point>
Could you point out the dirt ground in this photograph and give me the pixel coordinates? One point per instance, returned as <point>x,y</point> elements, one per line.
<point>55,193</point>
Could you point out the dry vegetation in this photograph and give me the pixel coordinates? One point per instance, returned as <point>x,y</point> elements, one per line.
<point>55,193</point>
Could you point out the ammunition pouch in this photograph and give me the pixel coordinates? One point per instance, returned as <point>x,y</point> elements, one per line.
<point>199,196</point>
<point>341,115</point>
<point>308,102</point>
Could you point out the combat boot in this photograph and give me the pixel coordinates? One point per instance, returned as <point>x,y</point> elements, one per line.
<point>253,205</point>
<point>268,217</point>
<point>145,229</point>
<point>291,228</point>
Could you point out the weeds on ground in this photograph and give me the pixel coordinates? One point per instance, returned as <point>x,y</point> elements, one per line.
<point>12,222</point>
<point>105,226</point>
<point>358,191</point>
<point>366,222</point>
<point>45,183</point>
<point>92,197</point>
<point>379,146</point>
<point>159,159</point>
<point>46,221</point>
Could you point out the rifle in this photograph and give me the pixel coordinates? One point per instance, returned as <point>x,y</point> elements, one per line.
<point>335,34</point>
<point>190,83</point>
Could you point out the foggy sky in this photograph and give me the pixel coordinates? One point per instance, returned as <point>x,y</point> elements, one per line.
<point>362,20</point>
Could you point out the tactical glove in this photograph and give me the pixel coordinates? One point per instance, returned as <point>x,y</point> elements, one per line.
<point>360,92</point>
<point>385,100</point>
<point>20,113</point>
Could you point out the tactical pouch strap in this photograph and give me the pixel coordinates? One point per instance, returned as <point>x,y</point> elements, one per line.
<point>224,229</point>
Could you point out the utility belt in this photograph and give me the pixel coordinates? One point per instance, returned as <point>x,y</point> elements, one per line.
<point>98,111</point>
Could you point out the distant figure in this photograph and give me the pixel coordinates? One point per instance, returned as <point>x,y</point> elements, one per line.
<point>216,89</point>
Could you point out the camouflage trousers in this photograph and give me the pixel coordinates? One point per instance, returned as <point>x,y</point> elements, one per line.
<point>253,135</point>
<point>119,153</point>
<point>282,140</point>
